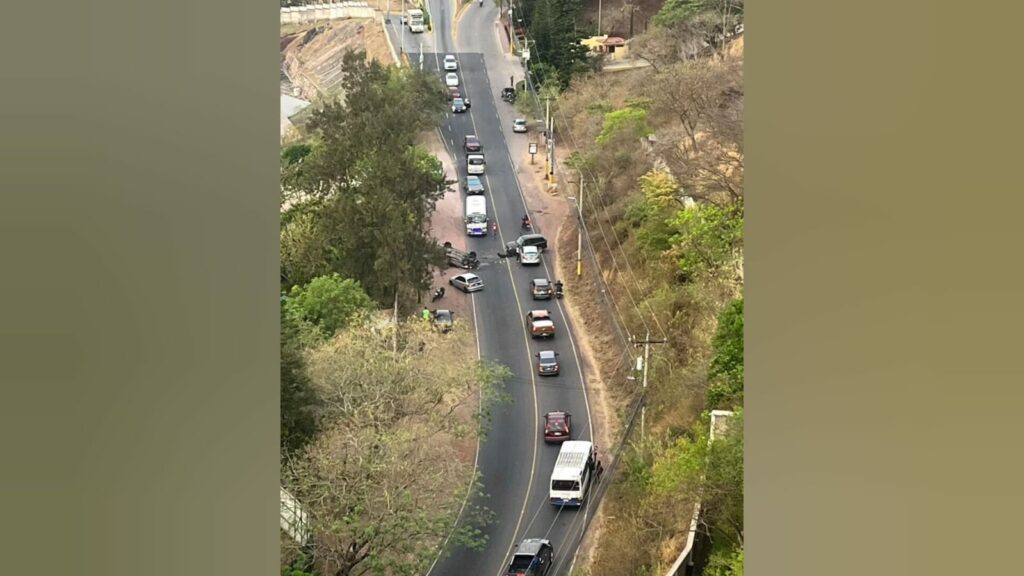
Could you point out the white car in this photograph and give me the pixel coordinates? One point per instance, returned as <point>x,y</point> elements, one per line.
<point>519,125</point>
<point>467,282</point>
<point>529,255</point>
<point>451,79</point>
<point>450,63</point>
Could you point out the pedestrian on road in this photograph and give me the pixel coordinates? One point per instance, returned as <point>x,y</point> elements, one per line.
<point>494,227</point>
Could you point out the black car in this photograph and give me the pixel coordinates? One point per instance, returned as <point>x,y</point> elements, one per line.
<point>532,558</point>
<point>443,320</point>
<point>547,363</point>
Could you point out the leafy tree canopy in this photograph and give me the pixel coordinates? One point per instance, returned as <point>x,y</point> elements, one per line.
<point>329,302</point>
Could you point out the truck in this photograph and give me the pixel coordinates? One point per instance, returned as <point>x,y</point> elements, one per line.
<point>415,20</point>
<point>460,259</point>
<point>539,324</point>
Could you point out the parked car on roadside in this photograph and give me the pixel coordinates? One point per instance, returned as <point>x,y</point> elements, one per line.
<point>519,125</point>
<point>467,282</point>
<point>443,320</point>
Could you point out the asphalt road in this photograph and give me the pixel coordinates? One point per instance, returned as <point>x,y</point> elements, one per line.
<point>514,461</point>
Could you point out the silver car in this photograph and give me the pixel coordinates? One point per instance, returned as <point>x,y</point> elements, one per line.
<point>451,79</point>
<point>467,282</point>
<point>529,256</point>
<point>519,125</point>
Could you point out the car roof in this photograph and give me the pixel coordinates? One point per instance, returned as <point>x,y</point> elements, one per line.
<point>537,313</point>
<point>473,178</point>
<point>467,276</point>
<point>530,248</point>
<point>531,546</point>
<point>556,414</point>
<point>540,281</point>
<point>522,120</point>
<point>449,57</point>
<point>547,353</point>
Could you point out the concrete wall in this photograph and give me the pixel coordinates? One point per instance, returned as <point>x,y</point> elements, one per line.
<point>327,11</point>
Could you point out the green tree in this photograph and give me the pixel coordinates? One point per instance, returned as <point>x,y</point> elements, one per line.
<point>725,563</point>
<point>299,401</point>
<point>362,195</point>
<point>629,120</point>
<point>707,237</point>
<point>329,302</point>
<point>726,370</point>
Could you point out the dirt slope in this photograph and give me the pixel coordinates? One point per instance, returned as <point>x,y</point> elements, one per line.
<point>312,57</point>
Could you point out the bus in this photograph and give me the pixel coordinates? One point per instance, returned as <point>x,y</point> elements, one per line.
<point>476,216</point>
<point>573,473</point>
<point>415,20</point>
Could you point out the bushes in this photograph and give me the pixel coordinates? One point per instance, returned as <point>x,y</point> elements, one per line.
<point>726,370</point>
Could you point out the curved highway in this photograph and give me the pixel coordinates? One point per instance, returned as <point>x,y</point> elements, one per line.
<point>514,462</point>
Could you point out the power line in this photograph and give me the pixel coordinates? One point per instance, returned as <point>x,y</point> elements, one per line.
<point>629,268</point>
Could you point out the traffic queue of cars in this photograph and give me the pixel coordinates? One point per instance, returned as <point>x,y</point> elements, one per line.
<point>533,556</point>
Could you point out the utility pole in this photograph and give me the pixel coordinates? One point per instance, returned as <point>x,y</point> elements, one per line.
<point>401,31</point>
<point>579,232</point>
<point>547,136</point>
<point>551,145</point>
<point>598,17</point>
<point>647,355</point>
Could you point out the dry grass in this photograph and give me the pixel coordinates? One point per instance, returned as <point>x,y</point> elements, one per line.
<point>636,530</point>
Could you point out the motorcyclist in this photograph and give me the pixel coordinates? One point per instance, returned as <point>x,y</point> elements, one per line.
<point>558,286</point>
<point>526,221</point>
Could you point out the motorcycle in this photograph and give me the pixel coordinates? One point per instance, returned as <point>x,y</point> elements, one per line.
<point>558,289</point>
<point>438,294</point>
<point>526,224</point>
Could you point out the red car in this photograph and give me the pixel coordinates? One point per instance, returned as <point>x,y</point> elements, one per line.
<point>557,426</point>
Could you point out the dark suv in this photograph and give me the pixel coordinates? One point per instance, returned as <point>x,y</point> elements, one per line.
<point>471,143</point>
<point>531,558</point>
<point>532,240</point>
<point>540,289</point>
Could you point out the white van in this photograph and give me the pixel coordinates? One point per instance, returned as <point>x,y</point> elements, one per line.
<point>475,164</point>
<point>571,478</point>
<point>476,215</point>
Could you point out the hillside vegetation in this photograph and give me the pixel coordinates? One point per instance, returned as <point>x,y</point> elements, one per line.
<point>659,152</point>
<point>379,412</point>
